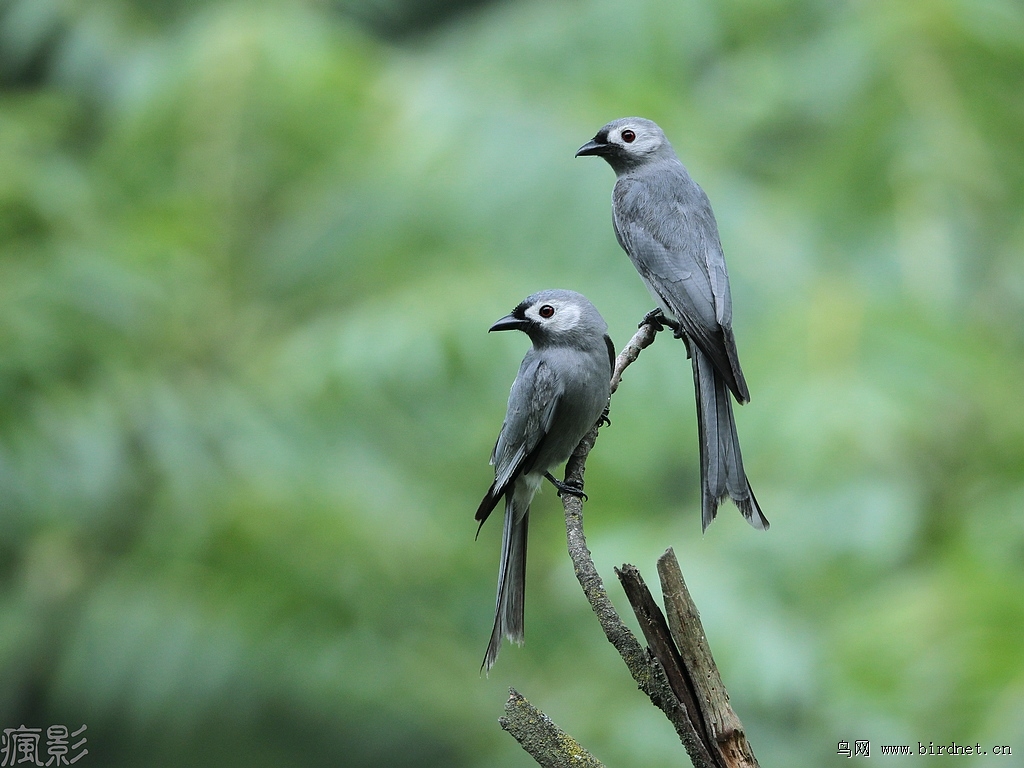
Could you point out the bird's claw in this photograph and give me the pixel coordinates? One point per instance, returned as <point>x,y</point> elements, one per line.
<point>605,421</point>
<point>655,318</point>
<point>571,488</point>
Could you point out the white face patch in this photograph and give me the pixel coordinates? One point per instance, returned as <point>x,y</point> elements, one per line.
<point>565,317</point>
<point>644,140</point>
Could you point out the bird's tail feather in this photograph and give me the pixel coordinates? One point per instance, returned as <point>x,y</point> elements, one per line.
<point>721,464</point>
<point>508,609</point>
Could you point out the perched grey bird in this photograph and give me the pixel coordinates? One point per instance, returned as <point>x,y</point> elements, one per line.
<point>664,222</point>
<point>560,392</point>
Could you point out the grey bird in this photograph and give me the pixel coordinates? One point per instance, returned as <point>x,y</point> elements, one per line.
<point>663,220</point>
<point>560,392</point>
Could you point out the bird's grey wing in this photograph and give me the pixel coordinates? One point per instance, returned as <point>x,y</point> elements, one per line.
<point>693,208</point>
<point>667,206</point>
<point>674,277</point>
<point>674,246</point>
<point>532,405</point>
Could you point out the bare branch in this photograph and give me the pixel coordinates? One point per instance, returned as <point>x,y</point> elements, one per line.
<point>677,671</point>
<point>724,727</point>
<point>648,674</point>
<point>642,339</point>
<point>712,734</point>
<point>659,639</point>
<point>548,744</point>
<point>618,634</point>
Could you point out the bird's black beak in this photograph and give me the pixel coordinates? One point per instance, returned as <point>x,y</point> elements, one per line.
<point>593,147</point>
<point>509,323</point>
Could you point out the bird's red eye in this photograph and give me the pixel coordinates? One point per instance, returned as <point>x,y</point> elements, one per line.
<point>546,311</point>
<point>628,136</point>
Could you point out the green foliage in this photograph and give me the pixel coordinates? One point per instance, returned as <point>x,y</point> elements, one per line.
<point>248,256</point>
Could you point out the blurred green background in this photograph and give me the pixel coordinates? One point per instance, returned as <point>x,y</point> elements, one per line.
<point>248,256</point>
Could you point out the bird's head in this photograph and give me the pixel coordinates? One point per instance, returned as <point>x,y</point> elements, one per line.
<point>627,143</point>
<point>555,317</point>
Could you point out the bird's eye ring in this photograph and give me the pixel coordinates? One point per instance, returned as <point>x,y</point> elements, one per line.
<point>628,136</point>
<point>546,311</point>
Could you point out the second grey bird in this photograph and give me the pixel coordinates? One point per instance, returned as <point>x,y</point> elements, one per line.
<point>663,220</point>
<point>560,392</point>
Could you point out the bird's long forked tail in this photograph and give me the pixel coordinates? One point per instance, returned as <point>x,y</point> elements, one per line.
<point>721,464</point>
<point>508,608</point>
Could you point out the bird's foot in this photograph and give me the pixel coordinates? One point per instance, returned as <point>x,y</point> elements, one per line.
<point>605,420</point>
<point>657,319</point>
<point>571,488</point>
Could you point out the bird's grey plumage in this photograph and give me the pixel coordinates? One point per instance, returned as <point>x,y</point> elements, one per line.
<point>560,392</point>
<point>664,222</point>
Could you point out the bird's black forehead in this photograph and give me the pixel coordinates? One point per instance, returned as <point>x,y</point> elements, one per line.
<point>602,136</point>
<point>520,311</point>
